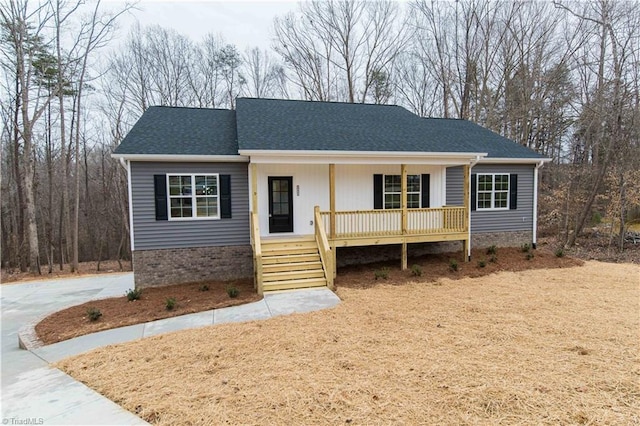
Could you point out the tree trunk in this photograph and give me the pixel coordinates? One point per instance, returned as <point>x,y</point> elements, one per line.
<point>30,204</point>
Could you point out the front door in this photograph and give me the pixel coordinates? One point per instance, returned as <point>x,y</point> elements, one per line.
<point>280,204</point>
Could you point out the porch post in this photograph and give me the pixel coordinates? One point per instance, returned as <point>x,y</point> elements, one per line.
<point>254,188</point>
<point>466,247</point>
<point>403,204</point>
<point>332,201</point>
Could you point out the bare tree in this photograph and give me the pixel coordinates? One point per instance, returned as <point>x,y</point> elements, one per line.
<point>94,34</point>
<point>340,50</point>
<point>612,30</point>
<point>262,73</point>
<point>24,28</point>
<point>228,61</point>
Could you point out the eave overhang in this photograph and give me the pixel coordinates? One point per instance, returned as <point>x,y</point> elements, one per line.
<point>360,157</point>
<point>490,160</point>
<point>174,158</point>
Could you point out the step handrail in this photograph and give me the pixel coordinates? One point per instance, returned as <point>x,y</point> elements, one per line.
<point>326,256</point>
<point>257,253</point>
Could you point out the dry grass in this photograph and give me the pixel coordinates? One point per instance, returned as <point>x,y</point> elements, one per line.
<point>12,276</point>
<point>536,347</point>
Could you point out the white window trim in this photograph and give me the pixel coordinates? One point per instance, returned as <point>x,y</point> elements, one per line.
<point>193,197</point>
<point>493,192</point>
<point>384,192</point>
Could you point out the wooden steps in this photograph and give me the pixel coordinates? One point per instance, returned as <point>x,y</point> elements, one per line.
<point>291,263</point>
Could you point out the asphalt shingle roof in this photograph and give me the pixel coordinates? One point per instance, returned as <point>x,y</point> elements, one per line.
<point>475,137</point>
<point>270,124</point>
<point>182,131</point>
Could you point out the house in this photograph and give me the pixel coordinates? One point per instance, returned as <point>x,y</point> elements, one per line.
<point>278,189</point>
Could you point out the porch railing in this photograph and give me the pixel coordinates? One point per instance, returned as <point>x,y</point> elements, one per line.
<point>373,223</point>
<point>326,256</point>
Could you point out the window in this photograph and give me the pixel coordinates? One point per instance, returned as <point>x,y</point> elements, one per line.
<point>493,191</point>
<point>193,196</point>
<point>393,191</point>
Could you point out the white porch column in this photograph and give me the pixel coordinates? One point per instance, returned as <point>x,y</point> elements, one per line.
<point>403,204</point>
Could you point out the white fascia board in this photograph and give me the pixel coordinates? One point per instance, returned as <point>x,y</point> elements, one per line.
<point>183,158</point>
<point>514,160</point>
<point>360,157</point>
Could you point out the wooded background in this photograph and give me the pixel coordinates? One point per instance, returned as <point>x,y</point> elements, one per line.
<point>562,78</point>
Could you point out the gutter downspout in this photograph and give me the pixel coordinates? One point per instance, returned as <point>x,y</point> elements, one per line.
<point>535,204</point>
<point>126,164</point>
<point>473,163</point>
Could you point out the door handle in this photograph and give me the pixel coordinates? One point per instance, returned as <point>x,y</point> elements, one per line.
<point>269,215</point>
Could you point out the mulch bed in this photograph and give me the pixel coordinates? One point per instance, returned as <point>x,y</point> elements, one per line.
<point>436,266</point>
<point>120,312</point>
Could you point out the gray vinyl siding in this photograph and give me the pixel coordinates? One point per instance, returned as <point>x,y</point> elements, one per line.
<point>455,190</point>
<point>520,219</point>
<point>150,233</point>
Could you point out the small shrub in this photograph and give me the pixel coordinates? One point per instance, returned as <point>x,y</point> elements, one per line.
<point>133,294</point>
<point>203,287</point>
<point>416,271</point>
<point>233,292</point>
<point>526,248</point>
<point>94,314</point>
<point>482,263</point>
<point>170,303</point>
<point>453,265</point>
<point>596,219</point>
<point>381,274</point>
<point>530,256</point>
<point>493,258</point>
<point>491,249</point>
<point>559,252</point>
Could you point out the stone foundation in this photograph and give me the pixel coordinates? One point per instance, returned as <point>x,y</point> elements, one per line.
<point>501,239</point>
<point>154,268</point>
<point>370,254</point>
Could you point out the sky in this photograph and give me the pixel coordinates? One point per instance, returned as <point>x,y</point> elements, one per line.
<point>244,23</point>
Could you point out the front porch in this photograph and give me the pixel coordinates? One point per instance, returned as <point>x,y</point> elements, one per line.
<point>367,227</point>
<point>334,228</point>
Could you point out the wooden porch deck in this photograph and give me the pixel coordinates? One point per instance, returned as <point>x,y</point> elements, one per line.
<point>290,262</point>
<point>371,227</point>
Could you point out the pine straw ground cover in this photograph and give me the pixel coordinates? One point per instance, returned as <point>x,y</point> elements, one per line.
<point>553,346</point>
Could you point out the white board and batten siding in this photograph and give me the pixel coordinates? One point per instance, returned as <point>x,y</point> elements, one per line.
<point>310,188</point>
<point>520,219</point>
<point>354,184</point>
<point>354,189</point>
<point>152,234</point>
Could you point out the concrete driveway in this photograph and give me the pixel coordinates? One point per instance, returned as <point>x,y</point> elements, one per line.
<point>34,393</point>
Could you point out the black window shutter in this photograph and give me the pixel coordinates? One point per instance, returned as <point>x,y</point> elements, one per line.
<point>160,193</point>
<point>513,192</point>
<point>225,196</point>
<point>474,192</point>
<point>424,189</point>
<point>377,191</point>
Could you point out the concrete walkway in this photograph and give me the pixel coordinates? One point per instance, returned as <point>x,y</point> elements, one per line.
<point>34,392</point>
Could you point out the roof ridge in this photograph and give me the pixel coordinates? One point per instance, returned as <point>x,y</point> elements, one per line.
<point>445,118</point>
<point>322,102</point>
<point>189,107</point>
